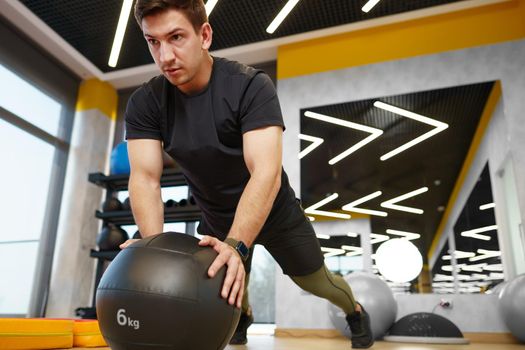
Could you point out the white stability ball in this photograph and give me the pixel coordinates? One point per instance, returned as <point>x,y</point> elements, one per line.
<point>512,306</point>
<point>377,299</point>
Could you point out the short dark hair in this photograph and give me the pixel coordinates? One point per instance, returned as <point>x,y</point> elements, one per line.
<point>194,10</point>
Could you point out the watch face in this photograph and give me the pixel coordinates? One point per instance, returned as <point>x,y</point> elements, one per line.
<point>243,249</point>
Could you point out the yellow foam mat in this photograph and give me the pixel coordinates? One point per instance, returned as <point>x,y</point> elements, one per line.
<point>31,333</point>
<point>86,334</point>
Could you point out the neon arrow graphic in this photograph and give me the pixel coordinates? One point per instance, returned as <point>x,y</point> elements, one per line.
<point>374,133</point>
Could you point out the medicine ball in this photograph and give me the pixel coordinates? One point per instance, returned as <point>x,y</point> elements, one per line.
<point>119,161</point>
<point>111,237</point>
<point>111,204</point>
<point>156,294</point>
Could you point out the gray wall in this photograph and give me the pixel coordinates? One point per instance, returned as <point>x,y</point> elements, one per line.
<point>502,62</point>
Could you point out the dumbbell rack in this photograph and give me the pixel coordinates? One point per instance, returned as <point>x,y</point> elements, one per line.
<point>116,183</point>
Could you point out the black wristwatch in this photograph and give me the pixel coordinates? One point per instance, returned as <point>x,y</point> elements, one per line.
<point>239,246</point>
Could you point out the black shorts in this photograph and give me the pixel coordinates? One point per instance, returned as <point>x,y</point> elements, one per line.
<point>294,245</point>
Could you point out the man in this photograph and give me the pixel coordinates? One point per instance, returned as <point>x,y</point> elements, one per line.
<point>221,122</point>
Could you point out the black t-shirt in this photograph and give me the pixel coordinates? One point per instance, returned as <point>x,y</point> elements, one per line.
<point>203,133</point>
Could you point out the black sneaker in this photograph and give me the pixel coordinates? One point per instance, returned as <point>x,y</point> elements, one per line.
<point>359,323</point>
<point>239,337</point>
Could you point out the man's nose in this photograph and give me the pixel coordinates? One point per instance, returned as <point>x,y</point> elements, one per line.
<point>166,54</point>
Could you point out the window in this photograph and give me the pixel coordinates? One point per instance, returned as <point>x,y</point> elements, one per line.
<point>25,184</point>
<point>29,103</point>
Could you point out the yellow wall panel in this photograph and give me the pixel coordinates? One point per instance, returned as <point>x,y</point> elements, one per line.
<point>457,30</point>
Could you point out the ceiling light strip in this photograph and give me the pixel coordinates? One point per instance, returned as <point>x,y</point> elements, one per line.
<point>494,267</point>
<point>441,277</point>
<point>353,205</point>
<point>328,252</point>
<point>438,127</point>
<point>474,268</point>
<point>281,16</point>
<point>458,254</point>
<point>312,210</point>
<point>475,232</point>
<point>364,199</point>
<point>408,235</point>
<point>487,206</point>
<point>496,276</point>
<point>390,204</point>
<point>369,5</point>
<point>485,254</point>
<point>352,251</point>
<point>378,238</point>
<point>316,142</point>
<point>374,133</point>
<point>210,5</point>
<point>119,34</point>
<point>476,236</point>
<point>367,211</point>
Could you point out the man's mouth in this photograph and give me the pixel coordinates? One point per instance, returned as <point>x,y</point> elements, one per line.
<point>171,70</point>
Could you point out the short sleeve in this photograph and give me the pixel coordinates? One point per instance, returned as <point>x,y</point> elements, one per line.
<point>260,105</point>
<point>143,116</point>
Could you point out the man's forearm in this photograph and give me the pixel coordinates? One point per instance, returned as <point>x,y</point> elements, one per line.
<point>146,202</point>
<point>254,207</point>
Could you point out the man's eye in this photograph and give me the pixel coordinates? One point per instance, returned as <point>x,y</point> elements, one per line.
<point>176,37</point>
<point>152,41</point>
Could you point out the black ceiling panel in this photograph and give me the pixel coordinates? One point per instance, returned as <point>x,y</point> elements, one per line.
<point>434,163</point>
<point>89,25</point>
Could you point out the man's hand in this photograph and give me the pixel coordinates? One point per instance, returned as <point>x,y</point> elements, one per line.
<point>127,243</point>
<point>233,285</point>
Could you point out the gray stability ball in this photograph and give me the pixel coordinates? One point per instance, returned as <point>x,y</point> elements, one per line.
<point>156,294</point>
<point>377,299</point>
<point>512,306</point>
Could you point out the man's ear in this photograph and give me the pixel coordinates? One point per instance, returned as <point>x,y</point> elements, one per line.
<point>206,35</point>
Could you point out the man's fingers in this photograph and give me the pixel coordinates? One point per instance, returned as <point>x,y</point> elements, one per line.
<point>233,285</point>
<point>240,296</point>
<point>219,262</point>
<point>127,243</point>
<point>210,241</point>
<point>229,280</point>
<point>237,290</point>
<point>205,240</point>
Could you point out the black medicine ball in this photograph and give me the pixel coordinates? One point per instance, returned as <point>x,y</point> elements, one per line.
<point>112,204</point>
<point>111,237</point>
<point>156,294</point>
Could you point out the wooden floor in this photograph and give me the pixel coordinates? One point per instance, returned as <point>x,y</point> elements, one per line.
<point>265,342</point>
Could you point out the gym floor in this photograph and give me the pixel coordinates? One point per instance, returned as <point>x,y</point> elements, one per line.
<point>266,342</point>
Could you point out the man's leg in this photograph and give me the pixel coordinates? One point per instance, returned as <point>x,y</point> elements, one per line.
<point>298,252</point>
<point>246,319</point>
<point>325,284</point>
